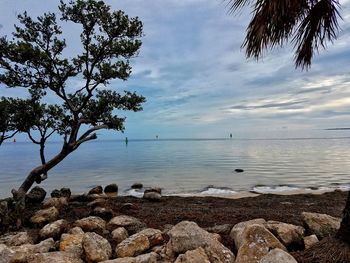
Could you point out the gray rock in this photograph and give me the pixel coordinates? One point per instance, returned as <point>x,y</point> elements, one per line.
<point>36,195</point>
<point>288,234</point>
<point>54,257</point>
<point>256,242</point>
<point>132,246</point>
<point>237,230</point>
<point>131,224</point>
<point>278,256</point>
<point>119,234</point>
<point>45,216</point>
<point>54,229</point>
<point>92,224</point>
<point>76,230</point>
<point>321,225</point>
<point>96,248</point>
<point>189,236</point>
<point>152,196</point>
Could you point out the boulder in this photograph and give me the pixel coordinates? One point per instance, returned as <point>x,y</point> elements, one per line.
<point>288,234</point>
<point>72,243</point>
<point>237,230</point>
<point>119,234</point>
<point>154,189</point>
<point>6,253</point>
<point>57,202</point>
<point>137,186</point>
<point>111,190</point>
<point>193,256</point>
<point>152,196</point>
<point>321,225</point>
<point>220,229</point>
<point>187,236</point>
<point>36,195</point>
<point>96,190</point>
<point>76,231</point>
<point>121,260</point>
<point>64,192</point>
<point>54,257</point>
<point>97,202</point>
<point>132,246</point>
<point>278,256</point>
<point>96,248</point>
<point>45,216</point>
<point>22,252</point>
<point>92,224</point>
<point>131,224</point>
<point>256,242</point>
<point>102,212</point>
<point>154,236</point>
<point>16,239</point>
<point>54,229</point>
<point>148,258</point>
<point>310,240</point>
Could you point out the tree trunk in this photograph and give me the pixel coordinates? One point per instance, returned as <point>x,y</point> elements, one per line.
<point>35,175</point>
<point>344,230</point>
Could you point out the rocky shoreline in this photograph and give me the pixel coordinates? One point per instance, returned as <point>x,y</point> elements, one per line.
<point>102,227</point>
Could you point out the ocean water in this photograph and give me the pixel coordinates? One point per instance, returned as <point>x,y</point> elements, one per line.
<point>186,166</point>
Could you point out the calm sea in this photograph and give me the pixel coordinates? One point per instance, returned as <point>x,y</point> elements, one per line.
<point>188,166</point>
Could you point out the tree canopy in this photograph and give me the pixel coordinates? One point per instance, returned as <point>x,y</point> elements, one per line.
<point>36,58</point>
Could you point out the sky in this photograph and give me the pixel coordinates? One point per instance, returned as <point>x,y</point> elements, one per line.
<point>198,83</point>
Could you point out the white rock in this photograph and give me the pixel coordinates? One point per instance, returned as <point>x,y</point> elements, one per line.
<point>5,253</point>
<point>237,230</point>
<point>23,251</point>
<point>257,241</point>
<point>310,240</point>
<point>54,229</point>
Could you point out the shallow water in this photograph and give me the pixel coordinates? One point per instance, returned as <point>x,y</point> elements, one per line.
<point>188,166</point>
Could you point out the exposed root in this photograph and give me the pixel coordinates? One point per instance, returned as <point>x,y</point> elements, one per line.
<point>328,250</point>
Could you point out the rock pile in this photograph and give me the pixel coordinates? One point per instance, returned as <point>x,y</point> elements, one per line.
<point>125,239</point>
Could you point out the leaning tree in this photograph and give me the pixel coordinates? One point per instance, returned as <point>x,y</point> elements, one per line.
<point>308,25</point>
<point>37,58</point>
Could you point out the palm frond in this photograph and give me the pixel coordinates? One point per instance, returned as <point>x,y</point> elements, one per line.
<point>272,24</point>
<point>235,5</point>
<point>319,25</point>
